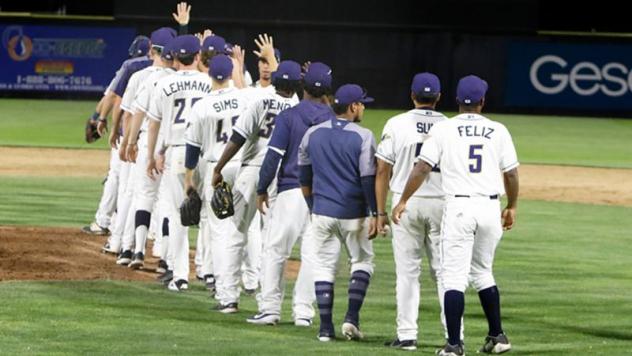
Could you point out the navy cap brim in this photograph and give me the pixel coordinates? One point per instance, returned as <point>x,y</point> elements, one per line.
<point>366,100</point>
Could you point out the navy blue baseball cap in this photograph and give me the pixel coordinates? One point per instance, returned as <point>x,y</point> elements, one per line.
<point>139,47</point>
<point>288,70</point>
<point>470,90</point>
<point>426,84</point>
<point>318,75</point>
<point>167,50</point>
<point>186,44</point>
<point>161,36</point>
<point>214,43</point>
<point>351,93</point>
<point>220,67</point>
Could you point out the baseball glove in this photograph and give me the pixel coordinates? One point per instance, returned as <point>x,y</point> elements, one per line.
<point>190,209</point>
<point>92,134</point>
<point>222,202</point>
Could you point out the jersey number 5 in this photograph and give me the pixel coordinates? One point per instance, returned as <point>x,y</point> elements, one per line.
<point>476,156</point>
<point>180,104</point>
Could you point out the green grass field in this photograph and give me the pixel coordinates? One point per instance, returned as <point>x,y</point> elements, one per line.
<point>564,271</point>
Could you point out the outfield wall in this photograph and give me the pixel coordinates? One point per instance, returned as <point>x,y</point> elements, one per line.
<point>526,72</point>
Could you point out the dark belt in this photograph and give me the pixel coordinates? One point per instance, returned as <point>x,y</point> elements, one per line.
<point>249,165</point>
<point>177,145</point>
<point>495,196</point>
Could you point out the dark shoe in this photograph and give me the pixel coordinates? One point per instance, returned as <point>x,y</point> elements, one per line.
<point>138,261</point>
<point>451,350</point>
<point>249,292</point>
<point>95,229</point>
<point>178,286</point>
<point>125,258</point>
<point>326,333</point>
<point>162,267</point>
<point>166,277</point>
<point>264,319</point>
<point>229,308</point>
<point>209,281</point>
<point>408,345</point>
<point>496,344</point>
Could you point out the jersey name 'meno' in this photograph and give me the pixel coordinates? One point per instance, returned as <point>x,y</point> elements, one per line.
<point>187,85</point>
<point>273,104</point>
<point>475,131</point>
<point>226,105</point>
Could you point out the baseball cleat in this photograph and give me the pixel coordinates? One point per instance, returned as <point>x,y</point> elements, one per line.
<point>451,350</point>
<point>209,282</point>
<point>229,308</point>
<point>249,292</point>
<point>351,332</point>
<point>162,267</point>
<point>496,344</point>
<point>138,261</point>
<point>178,286</point>
<point>408,345</point>
<point>125,258</point>
<point>264,319</point>
<point>108,249</point>
<point>95,229</point>
<point>304,322</point>
<point>166,277</point>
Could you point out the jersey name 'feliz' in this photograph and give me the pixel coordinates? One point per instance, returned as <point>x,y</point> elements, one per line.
<point>172,100</point>
<point>257,123</point>
<point>143,98</point>
<point>212,120</point>
<point>472,151</point>
<point>402,139</point>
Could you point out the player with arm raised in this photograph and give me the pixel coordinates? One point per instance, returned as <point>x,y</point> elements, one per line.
<point>252,131</point>
<point>475,155</point>
<point>173,97</point>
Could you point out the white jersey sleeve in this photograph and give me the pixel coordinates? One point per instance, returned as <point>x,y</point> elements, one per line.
<point>386,149</point>
<point>508,155</point>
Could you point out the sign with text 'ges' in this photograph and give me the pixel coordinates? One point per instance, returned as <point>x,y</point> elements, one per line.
<point>61,58</point>
<point>571,76</point>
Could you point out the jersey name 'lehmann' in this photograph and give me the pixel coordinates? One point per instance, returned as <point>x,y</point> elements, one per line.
<point>186,85</point>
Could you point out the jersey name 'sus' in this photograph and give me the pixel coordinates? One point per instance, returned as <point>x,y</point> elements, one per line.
<point>475,131</point>
<point>272,104</point>
<point>185,85</point>
<point>229,104</point>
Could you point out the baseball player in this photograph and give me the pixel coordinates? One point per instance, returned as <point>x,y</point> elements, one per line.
<point>171,103</point>
<point>252,130</point>
<point>107,204</point>
<point>402,138</point>
<point>212,120</point>
<point>337,176</point>
<point>289,217</point>
<point>135,135</point>
<point>472,152</point>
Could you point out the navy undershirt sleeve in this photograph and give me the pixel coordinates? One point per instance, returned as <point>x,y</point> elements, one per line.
<point>192,156</point>
<point>268,170</point>
<point>368,186</point>
<point>237,138</point>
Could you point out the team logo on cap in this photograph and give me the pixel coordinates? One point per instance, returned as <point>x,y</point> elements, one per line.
<point>285,76</point>
<point>427,89</point>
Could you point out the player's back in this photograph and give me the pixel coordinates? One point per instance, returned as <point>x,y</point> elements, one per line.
<point>402,139</point>
<point>473,152</point>
<point>135,85</point>
<point>173,98</point>
<point>212,120</point>
<point>257,123</point>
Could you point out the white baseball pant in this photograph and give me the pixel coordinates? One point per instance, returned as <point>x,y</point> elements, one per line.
<point>174,194</point>
<point>107,205</point>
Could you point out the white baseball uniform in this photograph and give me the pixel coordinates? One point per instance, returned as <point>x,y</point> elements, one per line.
<point>420,227</point>
<point>472,152</point>
<point>212,120</point>
<point>172,100</point>
<point>255,124</point>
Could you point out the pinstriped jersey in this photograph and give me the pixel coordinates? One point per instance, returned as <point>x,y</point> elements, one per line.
<point>134,87</point>
<point>472,151</point>
<point>212,120</point>
<point>172,100</point>
<point>402,139</point>
<point>257,123</point>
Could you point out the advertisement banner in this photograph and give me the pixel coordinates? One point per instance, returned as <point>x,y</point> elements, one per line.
<point>61,58</point>
<point>569,76</point>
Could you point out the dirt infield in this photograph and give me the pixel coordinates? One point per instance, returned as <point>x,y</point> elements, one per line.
<point>46,253</point>
<point>68,254</point>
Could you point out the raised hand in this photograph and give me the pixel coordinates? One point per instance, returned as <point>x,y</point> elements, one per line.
<point>182,14</point>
